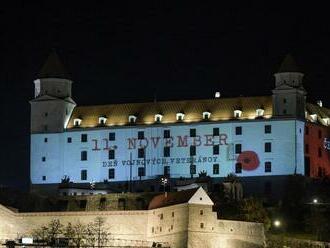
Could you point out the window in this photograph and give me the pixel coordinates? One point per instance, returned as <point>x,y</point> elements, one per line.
<point>306,130</point>
<point>320,134</point>
<point>268,147</point>
<point>45,140</point>
<point>192,150</point>
<point>206,115</point>
<point>284,111</point>
<point>161,216</point>
<point>172,214</point>
<point>84,137</point>
<point>102,120</point>
<point>284,100</point>
<point>152,229</point>
<point>216,131</point>
<point>268,129</point>
<point>268,166</point>
<point>179,116</point>
<point>111,173</point>
<point>167,151</point>
<point>238,130</point>
<point>215,169</point>
<point>83,155</point>
<point>238,168</point>
<point>43,159</point>
<point>237,113</point>
<point>215,149</point>
<point>238,148</point>
<point>192,132</point>
<point>192,169</point>
<point>141,172</point>
<point>202,225</point>
<point>43,178</point>
<point>320,152</point>
<point>112,136</point>
<point>46,114</point>
<point>167,170</point>
<point>77,122</point>
<point>132,119</point>
<point>306,148</point>
<point>112,154</point>
<point>69,140</point>
<point>167,134</point>
<point>140,135</point>
<point>201,212</point>
<point>83,175</point>
<point>141,153</point>
<point>158,117</point>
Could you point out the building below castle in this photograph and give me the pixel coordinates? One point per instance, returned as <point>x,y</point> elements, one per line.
<point>176,219</point>
<point>260,139</point>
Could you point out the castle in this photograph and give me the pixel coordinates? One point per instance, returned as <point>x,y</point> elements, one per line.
<point>260,139</point>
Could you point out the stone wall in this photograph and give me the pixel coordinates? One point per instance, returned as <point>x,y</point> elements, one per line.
<point>279,242</point>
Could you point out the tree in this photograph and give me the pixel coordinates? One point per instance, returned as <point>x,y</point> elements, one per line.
<point>101,233</point>
<point>252,210</point>
<point>49,233</point>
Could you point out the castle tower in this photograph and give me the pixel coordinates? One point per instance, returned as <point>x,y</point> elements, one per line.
<point>289,94</point>
<point>52,105</point>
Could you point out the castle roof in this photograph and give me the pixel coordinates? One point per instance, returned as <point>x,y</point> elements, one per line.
<point>289,65</point>
<point>53,68</point>
<point>220,109</point>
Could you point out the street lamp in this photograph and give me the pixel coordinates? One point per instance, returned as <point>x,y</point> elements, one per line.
<point>277,223</point>
<point>315,201</point>
<point>164,181</point>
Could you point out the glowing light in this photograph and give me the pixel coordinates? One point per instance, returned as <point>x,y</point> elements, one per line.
<point>277,223</point>
<point>217,94</point>
<point>315,201</point>
<point>179,116</point>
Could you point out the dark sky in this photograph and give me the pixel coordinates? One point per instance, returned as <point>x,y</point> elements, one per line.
<point>119,51</point>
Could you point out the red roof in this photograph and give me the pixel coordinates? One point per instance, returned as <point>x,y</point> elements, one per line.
<point>172,198</point>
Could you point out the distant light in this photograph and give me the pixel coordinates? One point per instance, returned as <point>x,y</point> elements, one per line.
<point>315,201</point>
<point>277,223</point>
<point>319,102</point>
<point>217,94</point>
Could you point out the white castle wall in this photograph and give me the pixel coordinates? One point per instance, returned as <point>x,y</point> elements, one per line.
<point>181,230</point>
<point>63,158</point>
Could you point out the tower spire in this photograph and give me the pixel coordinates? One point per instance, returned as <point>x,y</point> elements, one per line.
<point>53,68</point>
<point>289,65</point>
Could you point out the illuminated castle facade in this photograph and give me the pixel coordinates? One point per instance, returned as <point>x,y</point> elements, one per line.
<point>252,137</point>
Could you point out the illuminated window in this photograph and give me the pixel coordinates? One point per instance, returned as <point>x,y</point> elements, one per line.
<point>111,173</point>
<point>112,154</point>
<point>179,116</point>
<point>77,122</point>
<point>158,117</point>
<point>260,112</point>
<point>83,155</point>
<point>83,175</point>
<point>237,113</point>
<point>132,119</point>
<point>102,120</point>
<point>206,115</point>
<point>268,166</point>
<point>215,169</point>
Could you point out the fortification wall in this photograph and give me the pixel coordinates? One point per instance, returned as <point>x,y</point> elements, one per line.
<point>206,230</point>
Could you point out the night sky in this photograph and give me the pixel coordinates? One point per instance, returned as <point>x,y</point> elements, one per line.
<point>130,51</point>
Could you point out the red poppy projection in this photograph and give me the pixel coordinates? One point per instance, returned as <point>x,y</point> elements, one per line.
<point>249,160</point>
